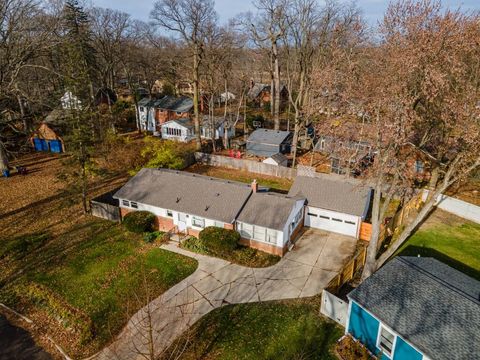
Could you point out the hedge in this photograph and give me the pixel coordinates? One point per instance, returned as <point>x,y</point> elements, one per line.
<point>139,221</point>
<point>219,241</point>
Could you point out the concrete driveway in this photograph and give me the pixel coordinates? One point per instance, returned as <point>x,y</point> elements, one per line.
<point>303,272</point>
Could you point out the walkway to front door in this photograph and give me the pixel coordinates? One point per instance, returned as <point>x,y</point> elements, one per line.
<point>317,257</point>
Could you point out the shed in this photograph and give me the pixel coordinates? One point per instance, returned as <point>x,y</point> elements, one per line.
<point>277,160</point>
<point>267,142</point>
<point>48,137</point>
<point>417,308</point>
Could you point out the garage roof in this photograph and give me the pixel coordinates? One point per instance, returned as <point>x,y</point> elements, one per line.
<point>336,195</point>
<point>181,191</point>
<point>268,136</point>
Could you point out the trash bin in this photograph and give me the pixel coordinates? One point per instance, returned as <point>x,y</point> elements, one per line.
<point>6,173</point>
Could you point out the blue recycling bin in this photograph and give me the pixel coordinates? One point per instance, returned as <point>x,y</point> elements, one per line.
<point>6,173</point>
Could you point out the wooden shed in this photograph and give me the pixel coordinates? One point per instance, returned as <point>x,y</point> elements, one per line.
<point>47,138</point>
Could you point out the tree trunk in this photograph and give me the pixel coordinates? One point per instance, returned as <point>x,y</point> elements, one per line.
<point>427,207</point>
<point>296,129</point>
<point>84,187</point>
<point>372,248</point>
<point>276,93</point>
<point>196,95</point>
<point>3,158</point>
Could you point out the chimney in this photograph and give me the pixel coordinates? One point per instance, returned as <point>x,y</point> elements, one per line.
<point>254,185</point>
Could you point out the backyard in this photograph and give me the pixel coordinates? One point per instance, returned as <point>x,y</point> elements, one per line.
<point>290,329</point>
<point>450,239</point>
<point>275,183</point>
<point>80,278</point>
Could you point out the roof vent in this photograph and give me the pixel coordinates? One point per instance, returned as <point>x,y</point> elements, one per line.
<point>217,194</point>
<point>207,207</point>
<point>178,199</point>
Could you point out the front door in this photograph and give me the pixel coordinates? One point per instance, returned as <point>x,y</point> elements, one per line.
<point>182,222</point>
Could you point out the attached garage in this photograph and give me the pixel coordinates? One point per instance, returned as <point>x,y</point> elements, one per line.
<point>332,221</point>
<point>333,204</point>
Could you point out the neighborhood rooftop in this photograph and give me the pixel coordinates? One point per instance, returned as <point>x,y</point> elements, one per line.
<point>177,104</point>
<point>428,303</point>
<point>204,196</point>
<point>268,209</point>
<point>267,136</point>
<point>337,195</point>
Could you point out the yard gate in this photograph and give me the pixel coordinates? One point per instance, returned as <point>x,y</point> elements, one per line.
<point>334,308</point>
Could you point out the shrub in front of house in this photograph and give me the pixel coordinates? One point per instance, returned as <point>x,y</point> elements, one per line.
<point>139,221</point>
<point>151,237</point>
<point>219,241</point>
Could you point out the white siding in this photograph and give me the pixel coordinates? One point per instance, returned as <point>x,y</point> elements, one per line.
<point>345,224</point>
<point>299,207</point>
<point>185,133</point>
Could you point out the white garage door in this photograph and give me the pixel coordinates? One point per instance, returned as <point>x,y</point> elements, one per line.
<point>331,221</point>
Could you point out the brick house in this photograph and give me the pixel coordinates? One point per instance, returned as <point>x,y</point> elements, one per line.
<point>187,203</point>
<point>260,94</point>
<point>154,112</point>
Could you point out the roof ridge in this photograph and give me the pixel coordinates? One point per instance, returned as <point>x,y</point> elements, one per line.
<point>432,276</point>
<point>200,176</point>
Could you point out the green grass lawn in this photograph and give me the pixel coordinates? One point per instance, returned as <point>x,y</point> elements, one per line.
<point>273,330</point>
<point>108,275</point>
<point>456,243</point>
<point>275,183</point>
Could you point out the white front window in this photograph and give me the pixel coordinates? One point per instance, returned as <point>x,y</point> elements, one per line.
<point>198,222</point>
<point>219,224</point>
<point>257,233</point>
<point>386,340</point>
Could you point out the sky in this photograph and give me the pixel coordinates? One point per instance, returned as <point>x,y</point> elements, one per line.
<point>226,9</point>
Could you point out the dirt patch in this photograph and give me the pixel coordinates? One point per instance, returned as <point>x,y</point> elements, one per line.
<point>440,217</point>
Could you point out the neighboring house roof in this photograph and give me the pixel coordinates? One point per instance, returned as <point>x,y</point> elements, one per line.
<point>268,136</point>
<point>433,306</point>
<point>189,124</point>
<point>147,102</point>
<point>279,158</point>
<point>349,197</point>
<point>268,210</point>
<point>172,103</point>
<point>257,88</point>
<point>195,194</point>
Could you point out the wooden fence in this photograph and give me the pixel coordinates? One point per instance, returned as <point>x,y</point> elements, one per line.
<point>348,271</point>
<point>256,167</point>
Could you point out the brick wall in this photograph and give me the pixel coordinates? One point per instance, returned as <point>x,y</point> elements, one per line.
<point>164,224</point>
<point>228,226</point>
<point>268,248</point>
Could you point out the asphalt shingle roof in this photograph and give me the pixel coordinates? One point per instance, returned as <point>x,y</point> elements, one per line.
<point>195,194</point>
<point>180,104</point>
<point>268,136</point>
<point>268,210</point>
<point>337,195</point>
<point>431,305</point>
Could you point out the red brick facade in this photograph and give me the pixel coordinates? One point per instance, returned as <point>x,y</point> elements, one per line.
<point>268,248</point>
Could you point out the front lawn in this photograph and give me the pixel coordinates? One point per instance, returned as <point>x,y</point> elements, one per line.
<point>274,330</point>
<point>107,276</point>
<point>450,239</point>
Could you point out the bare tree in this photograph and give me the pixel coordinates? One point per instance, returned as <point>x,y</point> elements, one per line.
<point>267,32</point>
<point>190,20</point>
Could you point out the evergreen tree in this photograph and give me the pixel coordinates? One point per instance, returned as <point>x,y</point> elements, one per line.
<point>79,68</point>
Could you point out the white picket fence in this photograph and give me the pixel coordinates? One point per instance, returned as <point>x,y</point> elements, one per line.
<point>457,207</point>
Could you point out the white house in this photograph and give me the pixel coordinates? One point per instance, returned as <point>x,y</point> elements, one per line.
<point>277,159</point>
<point>70,101</point>
<point>184,129</point>
<point>188,203</point>
<point>146,113</point>
<point>338,205</point>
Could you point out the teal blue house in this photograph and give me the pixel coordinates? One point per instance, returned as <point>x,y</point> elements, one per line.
<point>417,309</point>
